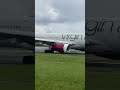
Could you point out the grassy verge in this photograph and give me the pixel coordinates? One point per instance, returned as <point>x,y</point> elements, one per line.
<point>60,72</point>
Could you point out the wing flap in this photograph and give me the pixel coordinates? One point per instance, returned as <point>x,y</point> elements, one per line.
<point>52,41</point>
<point>17,32</point>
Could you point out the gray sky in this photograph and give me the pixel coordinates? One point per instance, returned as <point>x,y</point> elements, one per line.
<point>17,7</point>
<point>60,16</point>
<point>102,8</point>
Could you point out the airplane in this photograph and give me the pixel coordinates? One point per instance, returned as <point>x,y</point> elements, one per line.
<point>20,28</point>
<point>17,30</point>
<point>62,42</point>
<point>103,37</point>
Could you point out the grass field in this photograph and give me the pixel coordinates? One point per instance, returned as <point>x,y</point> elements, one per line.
<point>16,77</point>
<point>103,78</point>
<point>59,72</point>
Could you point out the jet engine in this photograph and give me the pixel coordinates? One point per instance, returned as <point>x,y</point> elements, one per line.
<point>62,48</point>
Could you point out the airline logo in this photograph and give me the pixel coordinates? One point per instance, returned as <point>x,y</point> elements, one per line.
<point>71,37</point>
<point>94,26</point>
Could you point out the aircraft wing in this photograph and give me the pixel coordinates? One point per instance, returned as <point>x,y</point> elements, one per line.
<point>93,45</point>
<point>17,32</point>
<point>48,41</point>
<point>93,42</point>
<point>23,36</point>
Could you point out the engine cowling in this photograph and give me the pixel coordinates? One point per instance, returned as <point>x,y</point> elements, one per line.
<point>60,47</point>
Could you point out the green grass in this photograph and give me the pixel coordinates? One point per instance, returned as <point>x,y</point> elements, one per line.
<point>59,72</point>
<point>16,77</point>
<point>103,80</point>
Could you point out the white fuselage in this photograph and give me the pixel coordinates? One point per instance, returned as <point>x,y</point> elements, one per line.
<point>78,39</point>
<point>16,30</point>
<point>106,31</point>
<point>23,26</point>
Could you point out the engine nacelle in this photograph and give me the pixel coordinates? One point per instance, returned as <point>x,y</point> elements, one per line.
<point>60,47</point>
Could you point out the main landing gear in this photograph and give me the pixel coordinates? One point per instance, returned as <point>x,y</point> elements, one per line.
<point>28,60</point>
<point>49,51</point>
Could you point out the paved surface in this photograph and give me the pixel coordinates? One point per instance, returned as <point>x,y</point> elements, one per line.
<point>42,49</point>
<point>100,63</point>
<point>13,55</point>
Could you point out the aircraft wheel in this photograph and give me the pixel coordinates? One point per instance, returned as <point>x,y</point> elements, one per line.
<point>29,60</point>
<point>49,51</point>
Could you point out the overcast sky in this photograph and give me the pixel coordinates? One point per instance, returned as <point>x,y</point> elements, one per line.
<point>59,16</point>
<point>102,8</point>
<point>17,8</point>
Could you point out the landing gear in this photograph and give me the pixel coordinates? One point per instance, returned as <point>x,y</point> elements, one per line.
<point>28,60</point>
<point>49,51</point>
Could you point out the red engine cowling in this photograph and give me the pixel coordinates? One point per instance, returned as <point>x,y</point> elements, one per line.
<point>60,47</point>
